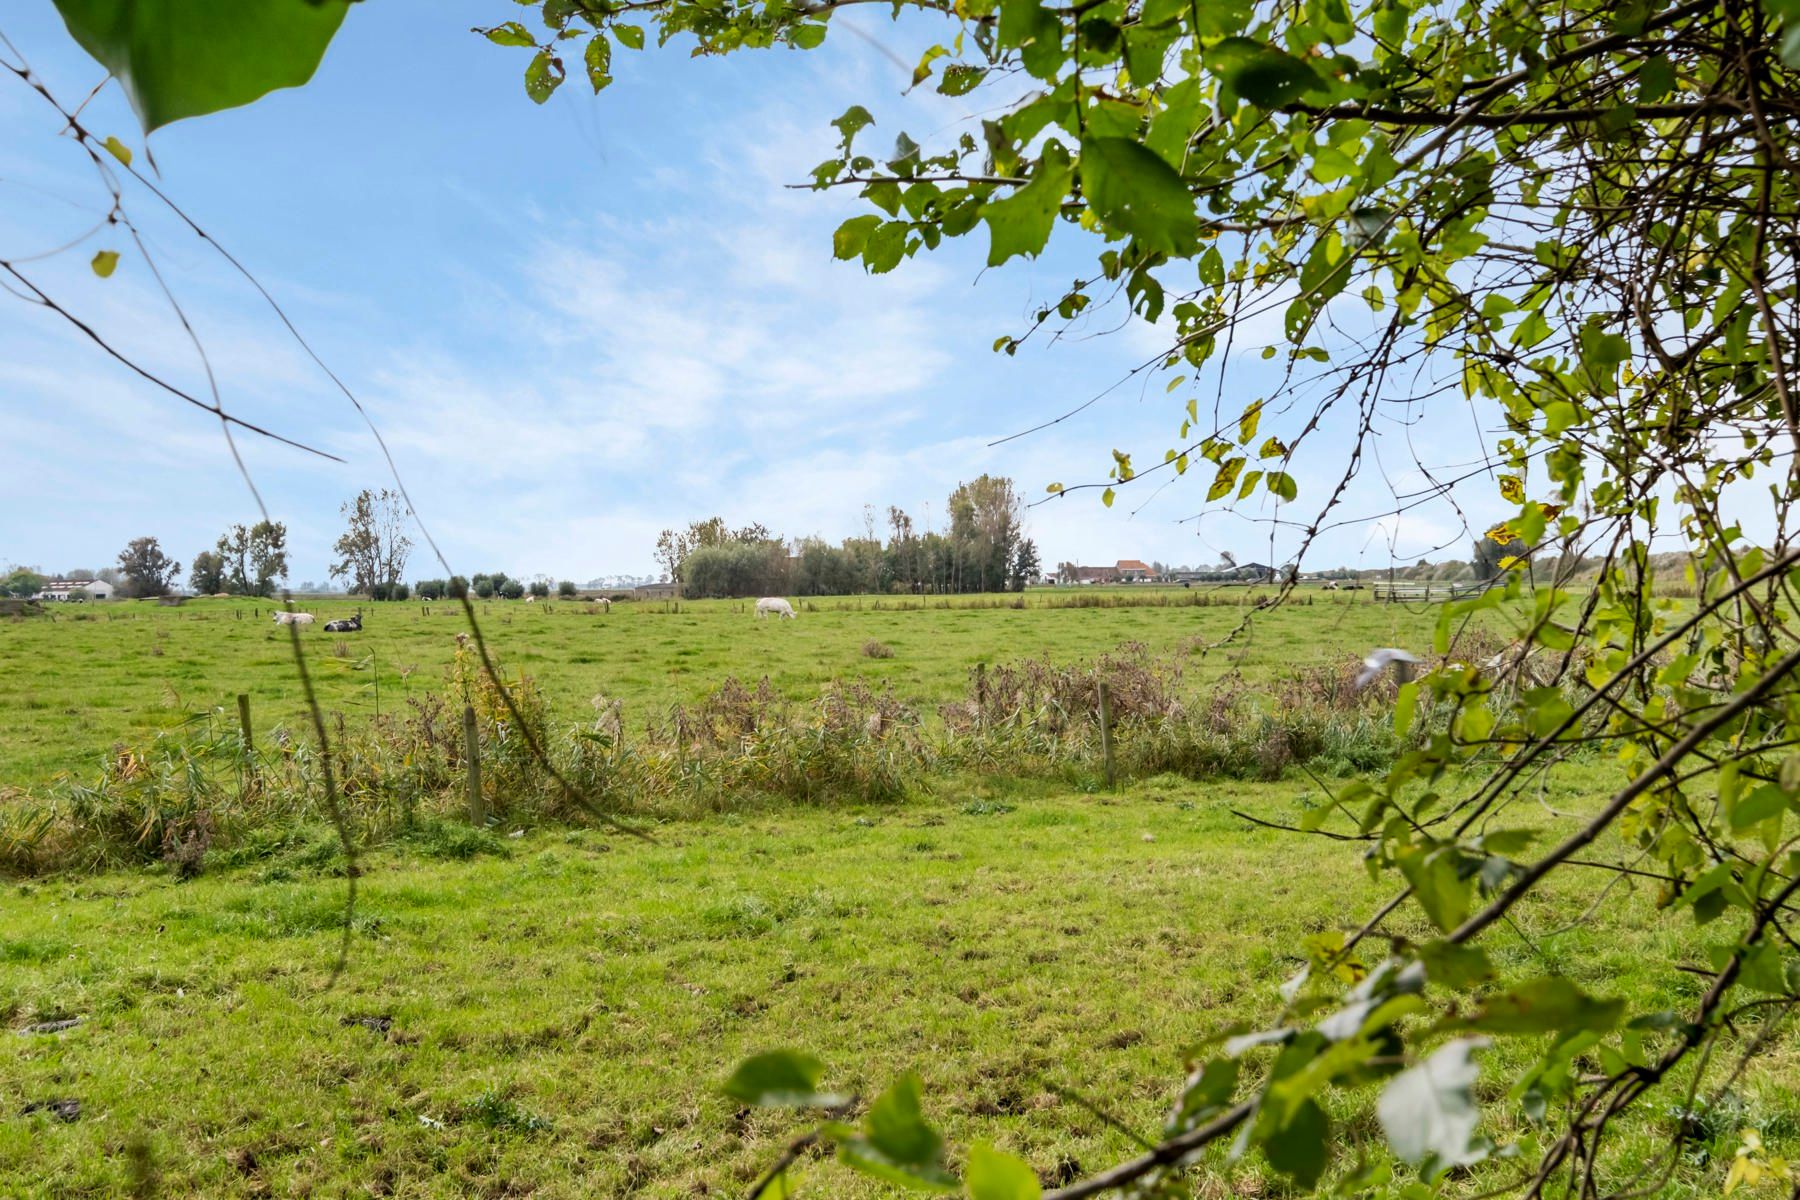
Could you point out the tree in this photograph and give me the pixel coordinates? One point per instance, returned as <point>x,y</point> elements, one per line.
<point>147,570</point>
<point>21,581</point>
<point>373,550</point>
<point>1024,565</point>
<point>512,589</point>
<point>207,575</point>
<point>540,588</point>
<point>255,558</point>
<point>1577,217</point>
<point>566,589</point>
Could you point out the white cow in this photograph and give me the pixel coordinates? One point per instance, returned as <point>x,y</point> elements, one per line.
<point>531,599</point>
<point>283,617</point>
<point>774,605</point>
<point>605,603</point>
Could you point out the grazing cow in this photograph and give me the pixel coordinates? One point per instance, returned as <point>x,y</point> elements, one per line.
<point>345,625</point>
<point>283,617</point>
<point>531,599</point>
<point>774,605</point>
<point>605,603</point>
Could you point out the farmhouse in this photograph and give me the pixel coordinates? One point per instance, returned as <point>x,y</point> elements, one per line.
<point>1130,570</point>
<point>76,589</point>
<point>656,591</point>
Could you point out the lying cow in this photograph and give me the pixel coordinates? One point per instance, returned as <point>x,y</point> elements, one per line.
<point>283,617</point>
<point>774,605</point>
<point>345,625</point>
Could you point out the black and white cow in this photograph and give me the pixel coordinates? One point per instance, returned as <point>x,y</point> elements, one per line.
<point>346,625</point>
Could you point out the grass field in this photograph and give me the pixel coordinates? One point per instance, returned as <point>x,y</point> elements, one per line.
<point>123,672</point>
<point>550,1014</point>
<point>562,1014</point>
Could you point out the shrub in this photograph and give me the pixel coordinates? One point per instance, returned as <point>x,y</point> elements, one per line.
<point>566,589</point>
<point>877,649</point>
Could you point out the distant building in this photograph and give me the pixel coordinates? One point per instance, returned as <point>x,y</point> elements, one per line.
<point>67,589</point>
<point>656,591</point>
<point>1130,570</point>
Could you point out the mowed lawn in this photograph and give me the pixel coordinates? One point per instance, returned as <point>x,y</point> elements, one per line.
<point>555,1022</point>
<point>123,672</point>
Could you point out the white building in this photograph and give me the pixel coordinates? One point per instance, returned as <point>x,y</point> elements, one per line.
<point>76,589</point>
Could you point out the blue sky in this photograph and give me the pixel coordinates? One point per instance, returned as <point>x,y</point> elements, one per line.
<point>576,324</point>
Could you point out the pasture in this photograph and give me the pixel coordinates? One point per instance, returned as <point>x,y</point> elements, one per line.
<point>547,1008</point>
<point>552,1017</point>
<point>124,672</point>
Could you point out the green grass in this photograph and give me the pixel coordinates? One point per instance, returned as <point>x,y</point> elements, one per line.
<point>123,672</point>
<point>564,1005</point>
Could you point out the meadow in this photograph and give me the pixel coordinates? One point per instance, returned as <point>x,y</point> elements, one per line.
<point>552,1015</point>
<point>100,674</point>
<point>546,1007</point>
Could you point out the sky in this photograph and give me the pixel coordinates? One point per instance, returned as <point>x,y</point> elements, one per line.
<point>581,323</point>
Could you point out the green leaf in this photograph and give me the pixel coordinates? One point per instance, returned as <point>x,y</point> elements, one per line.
<point>960,79</point>
<point>1429,1113</point>
<point>1021,223</point>
<point>629,35</point>
<point>1767,801</point>
<point>509,34</point>
<point>1037,34</point>
<point>780,1079</point>
<point>1260,73</point>
<point>993,1175</point>
<point>186,58</point>
<point>1436,874</point>
<point>1106,497</point>
<point>1282,484</point>
<point>543,76</point>
<point>1406,706</point>
<point>599,61</point>
<point>1226,479</point>
<point>104,263</point>
<point>856,118</point>
<point>1656,79</point>
<point>1301,1147</point>
<point>1548,1005</point>
<point>807,37</point>
<point>1454,965</point>
<point>118,150</point>
<point>853,235</point>
<point>1132,190</point>
<point>896,1144</point>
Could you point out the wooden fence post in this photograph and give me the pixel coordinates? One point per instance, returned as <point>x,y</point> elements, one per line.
<point>981,695</point>
<point>1106,745</point>
<point>472,753</point>
<point>244,719</point>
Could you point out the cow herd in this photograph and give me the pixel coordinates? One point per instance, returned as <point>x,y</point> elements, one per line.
<point>768,606</point>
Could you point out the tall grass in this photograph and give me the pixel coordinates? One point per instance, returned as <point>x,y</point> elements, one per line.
<point>742,745</point>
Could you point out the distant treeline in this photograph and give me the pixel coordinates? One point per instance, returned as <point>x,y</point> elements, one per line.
<point>984,550</point>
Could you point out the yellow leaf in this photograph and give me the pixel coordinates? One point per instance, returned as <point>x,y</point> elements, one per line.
<point>1106,497</point>
<point>1512,489</point>
<point>118,150</point>
<point>104,263</point>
